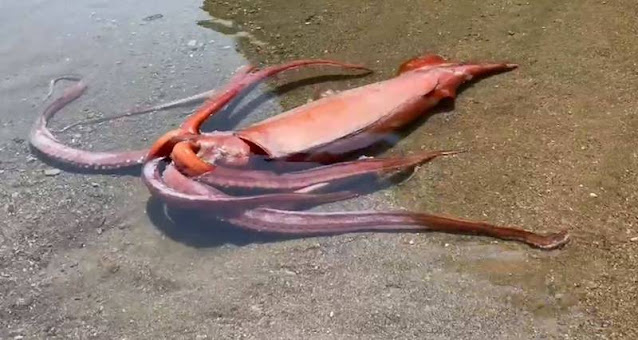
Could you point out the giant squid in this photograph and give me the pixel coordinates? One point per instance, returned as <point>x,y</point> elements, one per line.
<point>201,171</point>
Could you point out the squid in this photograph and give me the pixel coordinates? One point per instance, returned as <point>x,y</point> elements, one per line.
<point>264,177</point>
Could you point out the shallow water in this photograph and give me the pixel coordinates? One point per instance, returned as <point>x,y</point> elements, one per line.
<point>551,147</point>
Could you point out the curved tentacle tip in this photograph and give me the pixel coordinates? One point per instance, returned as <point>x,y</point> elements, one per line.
<point>511,66</point>
<point>554,240</point>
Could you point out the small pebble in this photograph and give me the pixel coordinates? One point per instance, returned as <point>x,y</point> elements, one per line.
<point>591,194</point>
<point>22,302</point>
<point>52,172</point>
<point>192,44</point>
<point>634,239</point>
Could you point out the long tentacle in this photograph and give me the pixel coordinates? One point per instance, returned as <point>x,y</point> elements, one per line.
<point>42,140</point>
<point>312,223</point>
<point>175,103</point>
<point>259,179</point>
<point>308,223</point>
<point>225,204</point>
<point>179,102</point>
<point>195,121</point>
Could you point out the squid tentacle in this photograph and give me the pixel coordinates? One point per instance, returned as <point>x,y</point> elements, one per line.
<point>223,204</point>
<point>55,80</point>
<point>279,221</point>
<point>43,141</point>
<point>308,223</point>
<point>178,102</point>
<point>260,179</point>
<point>195,121</point>
<point>138,111</point>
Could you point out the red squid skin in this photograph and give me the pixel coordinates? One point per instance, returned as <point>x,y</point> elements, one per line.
<point>322,131</point>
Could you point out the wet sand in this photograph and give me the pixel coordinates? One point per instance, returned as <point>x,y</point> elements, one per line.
<point>552,146</point>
